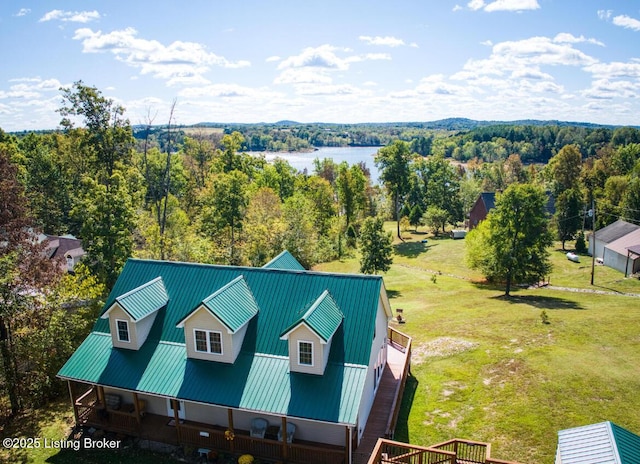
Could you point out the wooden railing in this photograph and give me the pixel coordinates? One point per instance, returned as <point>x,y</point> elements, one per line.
<point>471,452</point>
<point>403,342</point>
<point>398,339</point>
<point>204,437</point>
<point>392,452</point>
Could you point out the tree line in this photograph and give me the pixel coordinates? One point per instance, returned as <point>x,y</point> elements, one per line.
<point>157,192</point>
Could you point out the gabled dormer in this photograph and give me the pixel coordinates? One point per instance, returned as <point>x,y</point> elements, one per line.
<point>215,329</point>
<point>310,336</point>
<point>131,315</point>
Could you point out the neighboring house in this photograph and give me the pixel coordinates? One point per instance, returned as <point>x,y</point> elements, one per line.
<point>603,443</point>
<point>609,234</point>
<point>65,246</point>
<point>619,253</point>
<point>485,203</point>
<point>198,354</point>
<point>615,245</point>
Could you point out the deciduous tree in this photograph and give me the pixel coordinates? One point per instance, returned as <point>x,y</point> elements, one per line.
<point>393,162</point>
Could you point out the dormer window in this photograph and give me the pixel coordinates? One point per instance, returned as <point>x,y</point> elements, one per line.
<point>208,341</point>
<point>215,329</point>
<point>132,314</point>
<point>123,330</point>
<point>305,353</point>
<point>310,336</point>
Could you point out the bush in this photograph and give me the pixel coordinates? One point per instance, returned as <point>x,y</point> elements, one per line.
<point>581,245</point>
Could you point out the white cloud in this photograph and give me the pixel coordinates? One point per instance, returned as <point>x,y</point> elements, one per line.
<point>565,37</point>
<point>604,89</point>
<point>476,4</point>
<point>627,22</point>
<point>303,76</point>
<point>507,5</point>
<point>70,16</point>
<point>323,56</point>
<point>605,14</point>
<point>457,8</point>
<point>23,12</point>
<point>178,62</point>
<point>386,41</point>
<point>272,59</point>
<point>614,70</point>
<point>488,43</point>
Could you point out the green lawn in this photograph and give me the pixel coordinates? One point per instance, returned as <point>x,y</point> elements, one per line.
<point>486,368</point>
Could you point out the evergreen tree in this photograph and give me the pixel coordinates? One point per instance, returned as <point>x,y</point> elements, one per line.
<point>375,247</point>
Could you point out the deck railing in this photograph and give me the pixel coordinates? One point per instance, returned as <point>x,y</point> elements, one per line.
<point>392,452</point>
<point>403,343</point>
<point>455,451</point>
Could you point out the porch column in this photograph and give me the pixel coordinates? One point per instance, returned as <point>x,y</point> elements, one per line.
<point>176,418</point>
<point>100,395</point>
<point>347,445</point>
<point>136,406</point>
<point>284,438</point>
<point>230,427</point>
<point>73,402</point>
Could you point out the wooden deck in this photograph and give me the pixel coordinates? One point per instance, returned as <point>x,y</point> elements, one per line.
<point>383,414</point>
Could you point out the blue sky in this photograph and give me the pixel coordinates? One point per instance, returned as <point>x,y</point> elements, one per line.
<point>325,61</point>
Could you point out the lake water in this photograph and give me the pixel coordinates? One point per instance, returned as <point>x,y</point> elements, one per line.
<point>351,155</point>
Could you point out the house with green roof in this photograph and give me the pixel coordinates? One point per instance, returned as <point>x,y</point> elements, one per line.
<point>601,443</point>
<point>205,355</point>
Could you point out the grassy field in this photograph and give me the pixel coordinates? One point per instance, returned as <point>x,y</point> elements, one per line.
<point>484,367</point>
<point>487,368</point>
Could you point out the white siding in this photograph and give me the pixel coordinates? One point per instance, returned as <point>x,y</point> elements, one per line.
<point>379,344</point>
<point>304,334</point>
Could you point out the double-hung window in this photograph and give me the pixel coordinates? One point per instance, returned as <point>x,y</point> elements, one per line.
<point>208,341</point>
<point>123,330</point>
<point>305,353</point>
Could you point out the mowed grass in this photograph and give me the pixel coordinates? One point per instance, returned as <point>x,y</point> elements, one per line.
<point>510,379</point>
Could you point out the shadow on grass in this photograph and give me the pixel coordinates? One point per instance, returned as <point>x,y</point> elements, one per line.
<point>542,302</point>
<point>401,432</point>
<point>411,249</point>
<point>393,293</point>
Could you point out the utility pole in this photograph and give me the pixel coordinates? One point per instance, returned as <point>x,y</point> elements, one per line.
<point>593,235</point>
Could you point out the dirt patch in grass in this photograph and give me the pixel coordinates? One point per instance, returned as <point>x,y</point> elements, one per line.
<point>440,348</point>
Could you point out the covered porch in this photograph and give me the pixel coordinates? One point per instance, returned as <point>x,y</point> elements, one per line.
<point>91,409</point>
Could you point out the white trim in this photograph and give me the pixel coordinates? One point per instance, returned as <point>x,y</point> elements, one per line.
<point>118,331</point>
<point>202,307</point>
<point>308,327</point>
<point>208,341</point>
<point>312,350</point>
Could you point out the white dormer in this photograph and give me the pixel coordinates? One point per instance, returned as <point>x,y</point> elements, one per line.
<point>215,329</point>
<point>131,315</point>
<point>310,336</point>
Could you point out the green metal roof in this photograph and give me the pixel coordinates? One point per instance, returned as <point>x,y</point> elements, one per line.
<point>285,260</point>
<point>145,299</point>
<point>259,379</point>
<point>233,304</point>
<point>323,317</point>
<point>254,382</point>
<point>628,444</point>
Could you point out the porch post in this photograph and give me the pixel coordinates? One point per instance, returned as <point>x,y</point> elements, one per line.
<point>136,405</point>
<point>100,394</point>
<point>284,438</point>
<point>73,402</point>
<point>347,445</point>
<point>230,427</point>
<point>176,418</point>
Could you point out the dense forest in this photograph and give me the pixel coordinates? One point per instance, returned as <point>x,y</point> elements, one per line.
<point>199,194</point>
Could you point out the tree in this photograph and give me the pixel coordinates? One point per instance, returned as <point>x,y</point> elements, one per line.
<point>108,220</point>
<point>375,246</point>
<point>227,200</point>
<point>26,276</point>
<point>436,218</point>
<point>300,236</point>
<point>568,215</point>
<point>512,246</point>
<point>415,216</point>
<point>351,184</point>
<point>393,162</point>
<point>565,168</point>
<point>108,138</point>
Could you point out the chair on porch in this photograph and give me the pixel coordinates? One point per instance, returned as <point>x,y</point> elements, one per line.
<point>291,429</point>
<point>259,427</point>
